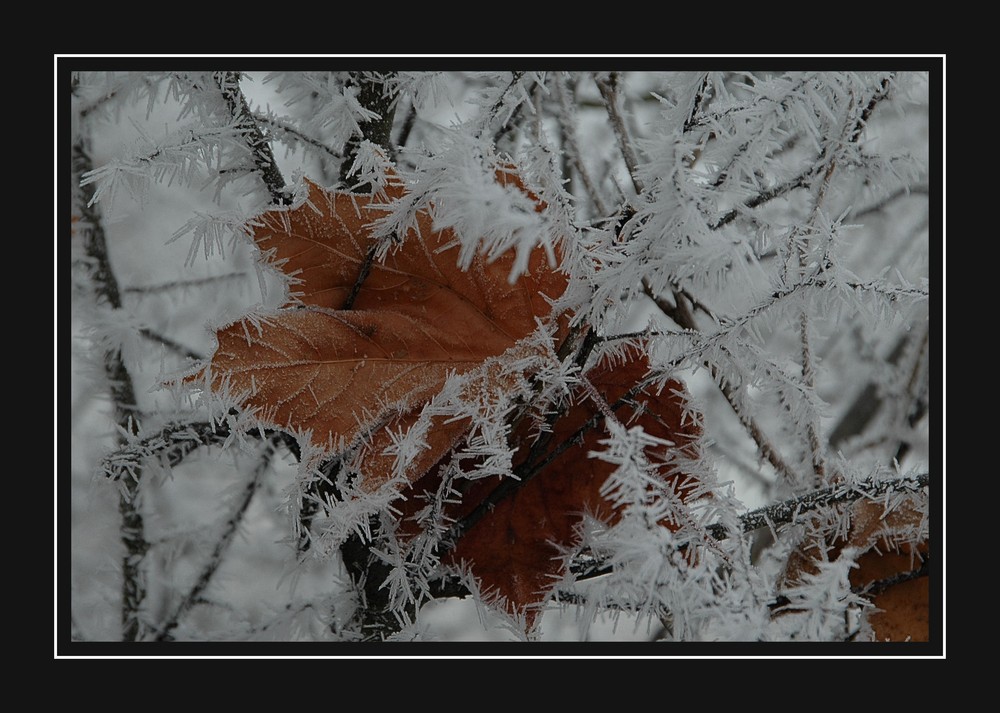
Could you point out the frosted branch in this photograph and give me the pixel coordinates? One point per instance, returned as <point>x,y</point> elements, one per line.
<point>259,146</point>
<point>572,149</point>
<point>172,444</point>
<point>608,87</point>
<point>222,544</point>
<point>106,289</point>
<point>282,129</point>
<point>786,512</point>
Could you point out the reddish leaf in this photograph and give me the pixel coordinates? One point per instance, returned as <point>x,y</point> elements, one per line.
<point>341,374</point>
<point>416,318</point>
<point>888,558</point>
<point>515,550</point>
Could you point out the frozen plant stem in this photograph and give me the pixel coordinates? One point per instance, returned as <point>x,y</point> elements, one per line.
<point>105,287</point>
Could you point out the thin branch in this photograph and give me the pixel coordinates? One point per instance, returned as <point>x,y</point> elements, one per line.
<point>786,512</point>
<point>527,470</point>
<point>494,111</point>
<point>696,105</point>
<point>800,181</point>
<point>280,127</point>
<point>916,394</point>
<point>880,585</point>
<point>222,544</point>
<point>608,87</point>
<point>685,320</point>
<point>173,443</point>
<point>170,344</point>
<point>880,94</point>
<point>376,93</point>
<point>809,380</point>
<point>106,289</point>
<point>260,147</point>
<point>904,192</point>
<point>572,149</point>
<point>407,127</point>
<point>181,284</point>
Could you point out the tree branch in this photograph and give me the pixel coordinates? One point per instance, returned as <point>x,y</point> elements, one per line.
<point>105,286</point>
<point>608,87</point>
<point>374,94</point>
<point>260,147</point>
<point>173,443</point>
<point>169,343</point>
<point>787,512</point>
<point>222,544</point>
<point>277,125</point>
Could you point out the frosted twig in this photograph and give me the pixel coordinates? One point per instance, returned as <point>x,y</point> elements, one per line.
<point>170,344</point>
<point>786,512</point>
<point>407,127</point>
<point>685,320</point>
<point>181,284</point>
<point>222,544</point>
<point>572,149</point>
<point>809,380</point>
<point>259,146</point>
<point>106,288</point>
<point>498,105</point>
<point>173,443</point>
<point>280,127</point>
<point>608,87</point>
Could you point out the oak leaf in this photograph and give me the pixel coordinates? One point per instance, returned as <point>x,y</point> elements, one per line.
<point>340,376</point>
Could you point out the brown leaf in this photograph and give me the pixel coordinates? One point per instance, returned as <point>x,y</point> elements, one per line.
<point>890,551</point>
<point>515,552</point>
<point>416,318</point>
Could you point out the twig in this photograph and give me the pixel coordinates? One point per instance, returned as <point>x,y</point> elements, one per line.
<point>222,544</point>
<point>260,147</point>
<point>788,511</point>
<point>916,394</point>
<point>373,95</point>
<point>880,585</point>
<point>280,126</point>
<point>785,512</point>
<point>696,105</point>
<point>608,87</point>
<point>106,289</point>
<point>800,181</point>
<point>905,191</point>
<point>527,469</point>
<point>572,150</point>
<point>173,443</point>
<point>685,320</point>
<point>407,127</point>
<point>180,284</point>
<point>169,344</point>
<point>809,380</point>
<point>508,124</point>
